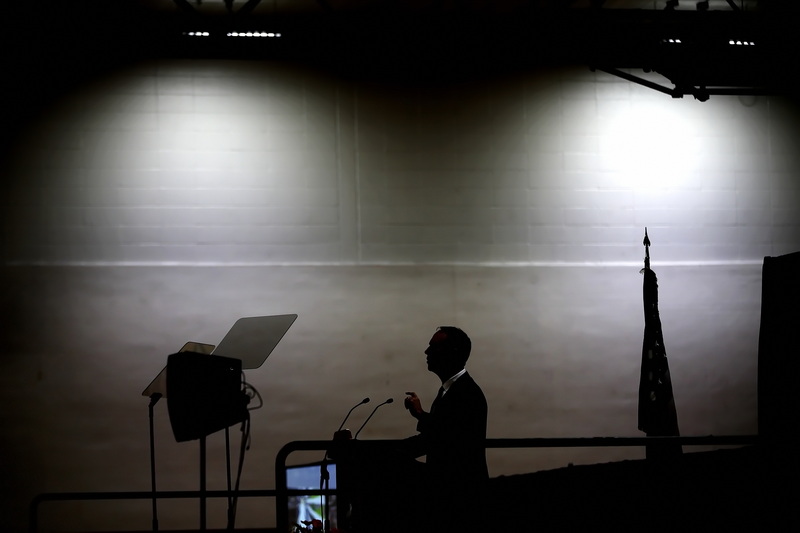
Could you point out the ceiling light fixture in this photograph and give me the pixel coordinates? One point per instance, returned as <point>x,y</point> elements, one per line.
<point>253,34</point>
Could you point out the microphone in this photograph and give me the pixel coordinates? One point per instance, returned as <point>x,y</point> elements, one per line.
<point>362,402</point>
<point>390,400</point>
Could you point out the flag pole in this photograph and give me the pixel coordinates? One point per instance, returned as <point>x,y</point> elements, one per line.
<point>657,414</point>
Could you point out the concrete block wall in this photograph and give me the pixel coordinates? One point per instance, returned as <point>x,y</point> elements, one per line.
<point>157,206</point>
<point>557,351</point>
<point>242,163</point>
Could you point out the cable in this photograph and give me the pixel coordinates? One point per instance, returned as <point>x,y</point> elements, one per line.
<point>251,392</point>
<point>244,447</point>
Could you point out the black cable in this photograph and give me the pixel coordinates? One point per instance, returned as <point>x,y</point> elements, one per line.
<point>255,394</point>
<point>244,447</point>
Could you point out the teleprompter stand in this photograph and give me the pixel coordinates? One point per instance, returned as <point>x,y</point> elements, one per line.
<point>203,387</point>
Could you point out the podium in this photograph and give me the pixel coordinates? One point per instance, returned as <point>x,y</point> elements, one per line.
<point>205,390</point>
<point>379,486</point>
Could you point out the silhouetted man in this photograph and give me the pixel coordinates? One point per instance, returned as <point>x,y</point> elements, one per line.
<point>452,437</point>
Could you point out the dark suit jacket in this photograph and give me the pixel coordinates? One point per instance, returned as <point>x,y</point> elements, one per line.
<point>453,434</point>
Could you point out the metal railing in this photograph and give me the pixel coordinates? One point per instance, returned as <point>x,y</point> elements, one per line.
<point>281,493</point>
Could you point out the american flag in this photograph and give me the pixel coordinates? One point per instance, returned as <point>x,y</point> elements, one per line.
<point>657,414</point>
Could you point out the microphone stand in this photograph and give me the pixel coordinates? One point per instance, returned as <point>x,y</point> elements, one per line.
<point>153,400</point>
<point>390,400</point>
<point>324,484</point>
<point>324,475</point>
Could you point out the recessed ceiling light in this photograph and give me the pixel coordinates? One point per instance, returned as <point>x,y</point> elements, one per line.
<point>252,34</point>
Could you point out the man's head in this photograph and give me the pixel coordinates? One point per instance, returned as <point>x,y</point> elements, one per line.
<point>448,351</point>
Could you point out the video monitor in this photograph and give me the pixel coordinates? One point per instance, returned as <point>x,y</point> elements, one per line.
<point>310,507</point>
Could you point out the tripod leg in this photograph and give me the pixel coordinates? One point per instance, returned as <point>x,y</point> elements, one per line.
<point>202,483</point>
<point>228,466</point>
<point>153,400</point>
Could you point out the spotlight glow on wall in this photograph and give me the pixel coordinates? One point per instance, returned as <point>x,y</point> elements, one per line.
<point>649,147</point>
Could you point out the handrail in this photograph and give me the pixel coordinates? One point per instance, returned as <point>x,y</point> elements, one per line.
<point>281,499</point>
<point>281,493</point>
<point>33,524</point>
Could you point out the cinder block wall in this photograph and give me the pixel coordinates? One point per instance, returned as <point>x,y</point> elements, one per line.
<point>158,205</point>
<point>234,162</point>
